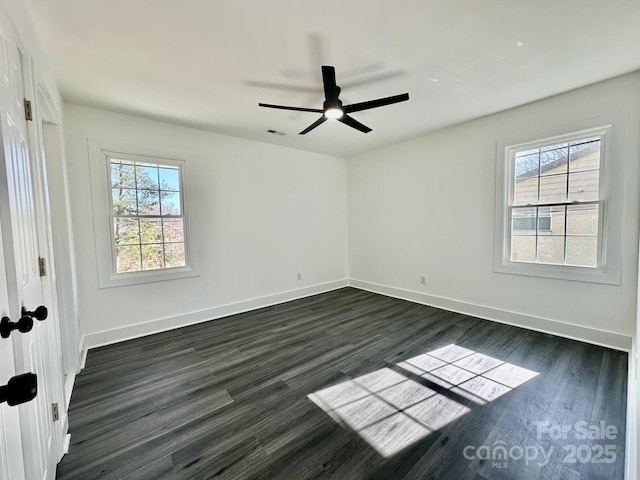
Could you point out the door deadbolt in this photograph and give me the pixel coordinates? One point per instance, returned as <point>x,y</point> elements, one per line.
<point>20,389</point>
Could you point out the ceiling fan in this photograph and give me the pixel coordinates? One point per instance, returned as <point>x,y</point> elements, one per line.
<point>333,108</point>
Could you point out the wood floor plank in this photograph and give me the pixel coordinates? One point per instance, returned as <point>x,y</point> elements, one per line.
<point>233,398</point>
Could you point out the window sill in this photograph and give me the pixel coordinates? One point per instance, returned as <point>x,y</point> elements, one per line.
<point>150,276</point>
<point>559,272</point>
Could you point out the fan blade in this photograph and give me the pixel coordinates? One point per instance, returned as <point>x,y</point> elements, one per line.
<point>330,87</point>
<point>297,109</point>
<point>320,121</point>
<point>352,122</point>
<point>380,102</point>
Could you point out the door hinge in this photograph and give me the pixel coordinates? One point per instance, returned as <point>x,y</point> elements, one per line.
<point>28,112</point>
<point>55,412</point>
<point>42,263</point>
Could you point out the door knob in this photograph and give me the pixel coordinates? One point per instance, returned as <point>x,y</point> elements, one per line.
<point>39,313</point>
<point>24,325</point>
<point>20,389</point>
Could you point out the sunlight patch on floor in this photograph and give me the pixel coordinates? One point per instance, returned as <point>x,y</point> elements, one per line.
<point>392,411</point>
<point>470,374</point>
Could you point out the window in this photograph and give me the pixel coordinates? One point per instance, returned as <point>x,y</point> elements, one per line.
<point>148,217</point>
<point>554,209</point>
<point>142,218</point>
<point>556,184</point>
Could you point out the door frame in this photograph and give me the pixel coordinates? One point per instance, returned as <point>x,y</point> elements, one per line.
<point>51,144</point>
<point>42,112</point>
<point>45,247</point>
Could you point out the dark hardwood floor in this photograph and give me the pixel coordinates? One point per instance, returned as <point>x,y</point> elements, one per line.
<point>349,385</point>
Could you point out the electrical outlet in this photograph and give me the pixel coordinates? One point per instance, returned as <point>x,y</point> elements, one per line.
<point>423,279</point>
<point>299,275</point>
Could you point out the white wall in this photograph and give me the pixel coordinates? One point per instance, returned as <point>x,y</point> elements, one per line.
<point>426,206</point>
<point>265,213</point>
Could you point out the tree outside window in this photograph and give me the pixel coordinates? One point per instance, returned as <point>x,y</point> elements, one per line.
<point>147,216</point>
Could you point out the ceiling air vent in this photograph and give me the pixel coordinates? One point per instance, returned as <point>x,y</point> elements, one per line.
<point>275,132</point>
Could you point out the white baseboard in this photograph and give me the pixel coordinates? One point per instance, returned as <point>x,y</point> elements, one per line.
<point>67,442</point>
<point>83,352</point>
<point>544,325</point>
<point>69,381</point>
<point>107,337</point>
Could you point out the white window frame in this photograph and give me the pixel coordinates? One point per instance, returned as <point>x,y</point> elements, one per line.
<point>611,129</point>
<point>100,154</point>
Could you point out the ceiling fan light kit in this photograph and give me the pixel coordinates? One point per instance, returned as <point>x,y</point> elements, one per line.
<point>333,113</point>
<point>333,108</point>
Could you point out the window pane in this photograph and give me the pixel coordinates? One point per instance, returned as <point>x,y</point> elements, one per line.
<point>148,202</point>
<point>171,203</point>
<point>585,156</point>
<point>147,178</point>
<point>174,255</point>
<point>584,185</point>
<point>556,220</point>
<point>124,201</point>
<point>152,257</point>
<point>553,189</point>
<point>582,251</point>
<point>556,146</point>
<point>122,175</point>
<point>526,191</point>
<point>170,179</point>
<point>150,230</point>
<point>553,162</point>
<point>523,221</point>
<point>173,229</point>
<point>523,248</point>
<point>524,153</point>
<point>526,165</point>
<point>550,249</point>
<point>126,231</point>
<point>128,259</point>
<point>582,219</point>
<point>544,219</point>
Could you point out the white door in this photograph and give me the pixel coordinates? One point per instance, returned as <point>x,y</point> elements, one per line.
<point>11,459</point>
<point>31,351</point>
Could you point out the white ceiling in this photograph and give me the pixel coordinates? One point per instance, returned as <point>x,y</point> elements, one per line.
<point>207,63</point>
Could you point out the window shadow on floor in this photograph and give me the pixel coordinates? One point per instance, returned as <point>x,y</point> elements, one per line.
<point>396,406</point>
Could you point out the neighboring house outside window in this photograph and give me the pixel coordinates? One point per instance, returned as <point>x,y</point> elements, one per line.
<point>555,211</point>
<point>563,180</point>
